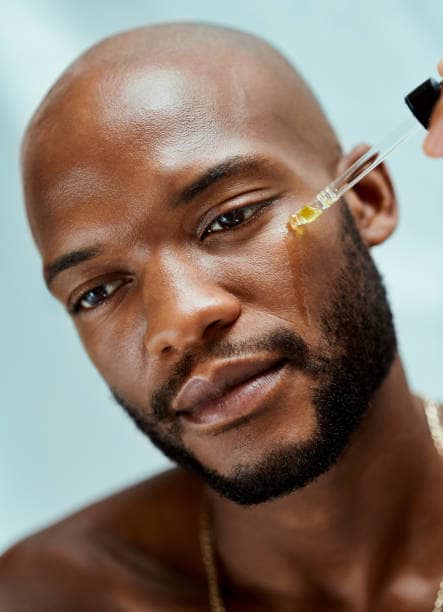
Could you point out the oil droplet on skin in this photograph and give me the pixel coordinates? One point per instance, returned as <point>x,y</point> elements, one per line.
<point>299,274</point>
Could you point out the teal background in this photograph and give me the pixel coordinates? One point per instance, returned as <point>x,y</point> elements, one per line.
<point>63,441</point>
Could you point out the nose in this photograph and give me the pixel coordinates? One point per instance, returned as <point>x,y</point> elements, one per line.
<point>188,309</point>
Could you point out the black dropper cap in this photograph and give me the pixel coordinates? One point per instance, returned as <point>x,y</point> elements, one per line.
<point>422,99</point>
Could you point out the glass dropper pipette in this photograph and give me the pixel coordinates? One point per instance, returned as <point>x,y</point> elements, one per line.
<point>421,102</point>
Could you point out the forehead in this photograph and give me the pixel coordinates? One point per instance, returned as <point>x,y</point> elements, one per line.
<point>145,111</point>
<point>121,135</point>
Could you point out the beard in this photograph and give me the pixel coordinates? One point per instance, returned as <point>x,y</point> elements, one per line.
<point>358,331</point>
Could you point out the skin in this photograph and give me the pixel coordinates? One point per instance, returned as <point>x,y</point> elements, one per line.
<point>128,127</point>
<point>433,144</point>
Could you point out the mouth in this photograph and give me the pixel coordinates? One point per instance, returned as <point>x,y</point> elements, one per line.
<point>232,394</point>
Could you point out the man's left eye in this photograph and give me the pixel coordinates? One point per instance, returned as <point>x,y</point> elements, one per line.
<point>231,219</point>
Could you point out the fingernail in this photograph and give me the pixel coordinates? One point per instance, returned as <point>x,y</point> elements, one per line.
<point>433,144</point>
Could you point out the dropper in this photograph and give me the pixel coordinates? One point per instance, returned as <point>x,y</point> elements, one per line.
<point>421,102</point>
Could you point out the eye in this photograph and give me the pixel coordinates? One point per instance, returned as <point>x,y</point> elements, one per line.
<point>95,296</point>
<point>233,218</point>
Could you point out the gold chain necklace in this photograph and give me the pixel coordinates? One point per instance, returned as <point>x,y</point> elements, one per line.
<point>207,535</point>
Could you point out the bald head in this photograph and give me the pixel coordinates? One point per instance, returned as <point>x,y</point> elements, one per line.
<point>162,88</point>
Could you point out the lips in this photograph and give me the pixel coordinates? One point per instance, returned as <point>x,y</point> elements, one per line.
<point>218,384</point>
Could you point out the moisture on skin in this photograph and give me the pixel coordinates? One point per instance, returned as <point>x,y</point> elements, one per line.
<point>297,266</point>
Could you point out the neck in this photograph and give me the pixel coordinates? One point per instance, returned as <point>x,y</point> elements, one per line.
<point>355,522</point>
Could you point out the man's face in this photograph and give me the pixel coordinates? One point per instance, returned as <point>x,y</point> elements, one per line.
<point>246,353</point>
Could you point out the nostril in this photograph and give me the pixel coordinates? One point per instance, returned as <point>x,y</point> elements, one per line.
<point>213,324</point>
<point>166,349</point>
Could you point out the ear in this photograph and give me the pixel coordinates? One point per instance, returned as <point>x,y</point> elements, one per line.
<point>372,201</point>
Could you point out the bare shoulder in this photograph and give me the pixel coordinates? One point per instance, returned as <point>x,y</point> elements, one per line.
<point>135,550</point>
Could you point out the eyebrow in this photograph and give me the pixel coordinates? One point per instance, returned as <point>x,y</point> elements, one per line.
<point>69,260</point>
<point>228,168</point>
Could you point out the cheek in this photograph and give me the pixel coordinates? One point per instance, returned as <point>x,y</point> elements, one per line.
<point>282,274</point>
<point>115,346</point>
<point>258,273</point>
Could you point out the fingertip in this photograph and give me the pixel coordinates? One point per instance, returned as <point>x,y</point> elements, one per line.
<point>432,148</point>
<point>426,150</point>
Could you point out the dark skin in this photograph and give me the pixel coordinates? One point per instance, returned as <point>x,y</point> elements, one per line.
<point>128,136</point>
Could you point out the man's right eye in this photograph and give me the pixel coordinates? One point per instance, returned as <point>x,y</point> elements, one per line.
<point>96,296</point>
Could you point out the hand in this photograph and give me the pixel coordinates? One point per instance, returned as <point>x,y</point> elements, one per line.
<point>433,144</point>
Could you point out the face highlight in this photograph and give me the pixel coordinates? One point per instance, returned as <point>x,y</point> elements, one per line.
<point>161,218</point>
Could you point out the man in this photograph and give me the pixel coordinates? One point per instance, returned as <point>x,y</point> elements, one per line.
<point>159,173</point>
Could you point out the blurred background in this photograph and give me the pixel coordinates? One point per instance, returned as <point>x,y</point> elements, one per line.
<point>63,441</point>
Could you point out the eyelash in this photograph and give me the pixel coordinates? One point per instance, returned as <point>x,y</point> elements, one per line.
<point>255,208</point>
<point>77,308</point>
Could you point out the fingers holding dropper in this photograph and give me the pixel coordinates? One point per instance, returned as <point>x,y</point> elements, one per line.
<point>433,144</point>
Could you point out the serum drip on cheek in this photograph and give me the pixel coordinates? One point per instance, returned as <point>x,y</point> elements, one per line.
<point>297,267</point>
<point>421,102</point>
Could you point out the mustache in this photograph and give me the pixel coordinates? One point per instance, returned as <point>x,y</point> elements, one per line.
<point>282,343</point>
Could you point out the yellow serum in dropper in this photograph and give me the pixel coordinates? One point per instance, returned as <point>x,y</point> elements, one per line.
<point>311,211</point>
<point>306,214</point>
